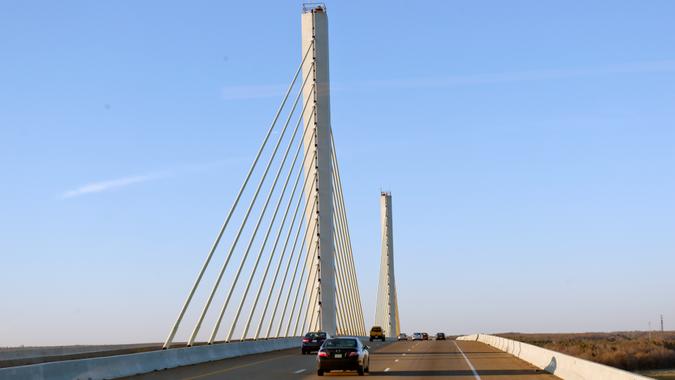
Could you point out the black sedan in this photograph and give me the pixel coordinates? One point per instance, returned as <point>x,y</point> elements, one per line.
<point>312,341</point>
<point>440,336</point>
<point>344,353</point>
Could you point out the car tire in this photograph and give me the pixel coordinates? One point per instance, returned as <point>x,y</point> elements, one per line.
<point>319,372</point>
<point>371,339</point>
<point>360,371</point>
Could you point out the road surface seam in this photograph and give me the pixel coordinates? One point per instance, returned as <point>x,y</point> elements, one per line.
<point>235,367</point>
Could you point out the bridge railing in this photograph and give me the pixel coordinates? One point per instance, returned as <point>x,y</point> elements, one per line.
<point>111,367</point>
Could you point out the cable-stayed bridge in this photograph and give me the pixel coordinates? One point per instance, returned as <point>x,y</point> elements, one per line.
<point>282,264</point>
<point>290,258</point>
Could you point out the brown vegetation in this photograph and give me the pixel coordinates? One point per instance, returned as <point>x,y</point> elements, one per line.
<point>632,351</point>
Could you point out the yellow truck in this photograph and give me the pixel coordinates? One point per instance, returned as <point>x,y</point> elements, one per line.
<point>376,333</point>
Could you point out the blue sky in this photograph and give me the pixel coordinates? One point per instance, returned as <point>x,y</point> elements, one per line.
<point>529,147</point>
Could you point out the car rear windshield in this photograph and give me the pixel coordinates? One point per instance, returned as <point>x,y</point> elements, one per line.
<point>340,343</point>
<point>376,329</point>
<point>314,335</point>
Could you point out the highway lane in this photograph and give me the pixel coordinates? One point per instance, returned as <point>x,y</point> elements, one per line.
<point>457,360</point>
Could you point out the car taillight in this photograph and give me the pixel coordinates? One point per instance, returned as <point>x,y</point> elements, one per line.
<point>305,340</point>
<point>323,354</point>
<point>353,354</point>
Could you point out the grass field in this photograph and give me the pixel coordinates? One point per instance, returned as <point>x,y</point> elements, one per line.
<point>632,350</point>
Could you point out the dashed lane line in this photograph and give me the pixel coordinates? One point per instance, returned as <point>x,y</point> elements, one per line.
<point>300,370</point>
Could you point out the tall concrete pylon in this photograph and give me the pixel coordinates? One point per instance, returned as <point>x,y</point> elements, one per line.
<point>322,292</point>
<point>386,312</point>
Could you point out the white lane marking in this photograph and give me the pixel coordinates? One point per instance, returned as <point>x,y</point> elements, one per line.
<point>396,361</point>
<point>404,354</point>
<point>386,370</point>
<point>475,374</point>
<point>300,370</point>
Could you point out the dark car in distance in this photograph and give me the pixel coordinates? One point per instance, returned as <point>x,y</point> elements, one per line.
<point>440,336</point>
<point>312,341</point>
<point>344,353</point>
<point>425,336</point>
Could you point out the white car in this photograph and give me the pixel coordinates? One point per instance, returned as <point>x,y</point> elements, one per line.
<point>417,336</point>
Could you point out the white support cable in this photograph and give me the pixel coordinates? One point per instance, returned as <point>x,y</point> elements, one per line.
<point>350,291</point>
<point>243,223</point>
<point>314,276</point>
<point>281,259</point>
<point>344,266</point>
<point>314,313</point>
<point>346,228</point>
<point>269,230</point>
<point>273,251</point>
<point>314,221</point>
<point>312,301</point>
<point>350,262</point>
<point>343,312</point>
<point>343,250</point>
<point>295,272</point>
<point>255,267</point>
<point>288,265</point>
<point>181,314</point>
<point>339,310</point>
<point>279,265</point>
<point>353,280</point>
<point>338,301</point>
<point>316,323</point>
<point>216,327</point>
<point>308,315</point>
<point>355,286</point>
<point>302,274</point>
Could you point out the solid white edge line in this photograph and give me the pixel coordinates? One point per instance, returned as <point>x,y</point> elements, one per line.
<point>475,374</point>
<point>300,370</point>
<point>386,370</point>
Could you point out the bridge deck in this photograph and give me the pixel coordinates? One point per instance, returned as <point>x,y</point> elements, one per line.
<point>405,360</point>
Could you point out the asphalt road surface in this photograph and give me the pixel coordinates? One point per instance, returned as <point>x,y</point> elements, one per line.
<point>457,360</point>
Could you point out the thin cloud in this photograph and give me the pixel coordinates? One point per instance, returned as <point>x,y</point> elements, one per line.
<point>98,187</point>
<point>118,183</point>
<point>265,91</point>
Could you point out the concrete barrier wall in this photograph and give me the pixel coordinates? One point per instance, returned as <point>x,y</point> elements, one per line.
<point>15,353</point>
<point>111,367</point>
<point>564,366</point>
